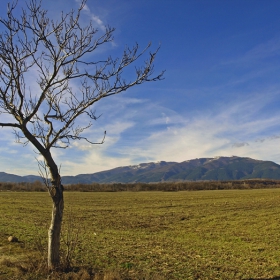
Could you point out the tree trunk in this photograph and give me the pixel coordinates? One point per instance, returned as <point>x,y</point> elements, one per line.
<point>55,228</point>
<point>56,193</point>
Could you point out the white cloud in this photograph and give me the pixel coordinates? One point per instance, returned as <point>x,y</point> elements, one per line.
<point>96,19</point>
<point>201,138</point>
<point>114,131</point>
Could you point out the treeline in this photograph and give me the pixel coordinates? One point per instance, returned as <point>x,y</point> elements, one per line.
<point>36,186</point>
<point>164,186</point>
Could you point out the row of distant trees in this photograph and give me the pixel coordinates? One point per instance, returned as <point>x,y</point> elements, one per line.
<point>38,186</point>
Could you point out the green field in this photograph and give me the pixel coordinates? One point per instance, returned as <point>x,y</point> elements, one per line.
<point>232,234</point>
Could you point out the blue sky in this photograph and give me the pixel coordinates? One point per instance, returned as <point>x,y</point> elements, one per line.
<point>220,95</point>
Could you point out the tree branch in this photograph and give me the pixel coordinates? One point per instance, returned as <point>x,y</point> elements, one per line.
<point>59,52</point>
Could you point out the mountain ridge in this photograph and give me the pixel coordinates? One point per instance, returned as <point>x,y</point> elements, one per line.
<point>200,169</point>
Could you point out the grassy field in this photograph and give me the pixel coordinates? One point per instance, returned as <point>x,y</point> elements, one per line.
<point>233,234</point>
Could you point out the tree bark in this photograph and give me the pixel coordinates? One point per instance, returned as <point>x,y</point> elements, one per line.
<point>56,193</point>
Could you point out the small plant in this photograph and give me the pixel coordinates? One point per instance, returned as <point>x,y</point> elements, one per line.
<point>70,241</point>
<point>127,265</point>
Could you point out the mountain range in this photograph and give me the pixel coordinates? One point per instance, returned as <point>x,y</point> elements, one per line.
<point>214,169</point>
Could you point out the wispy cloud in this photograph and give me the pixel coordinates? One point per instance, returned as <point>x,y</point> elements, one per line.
<point>260,52</point>
<point>95,19</point>
<point>238,145</point>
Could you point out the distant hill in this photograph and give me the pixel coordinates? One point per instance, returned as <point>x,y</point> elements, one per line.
<point>6,177</point>
<point>215,169</point>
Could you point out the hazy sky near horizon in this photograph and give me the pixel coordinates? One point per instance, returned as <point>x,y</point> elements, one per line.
<point>220,95</point>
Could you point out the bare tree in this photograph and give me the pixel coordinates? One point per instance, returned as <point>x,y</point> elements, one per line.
<point>55,53</point>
